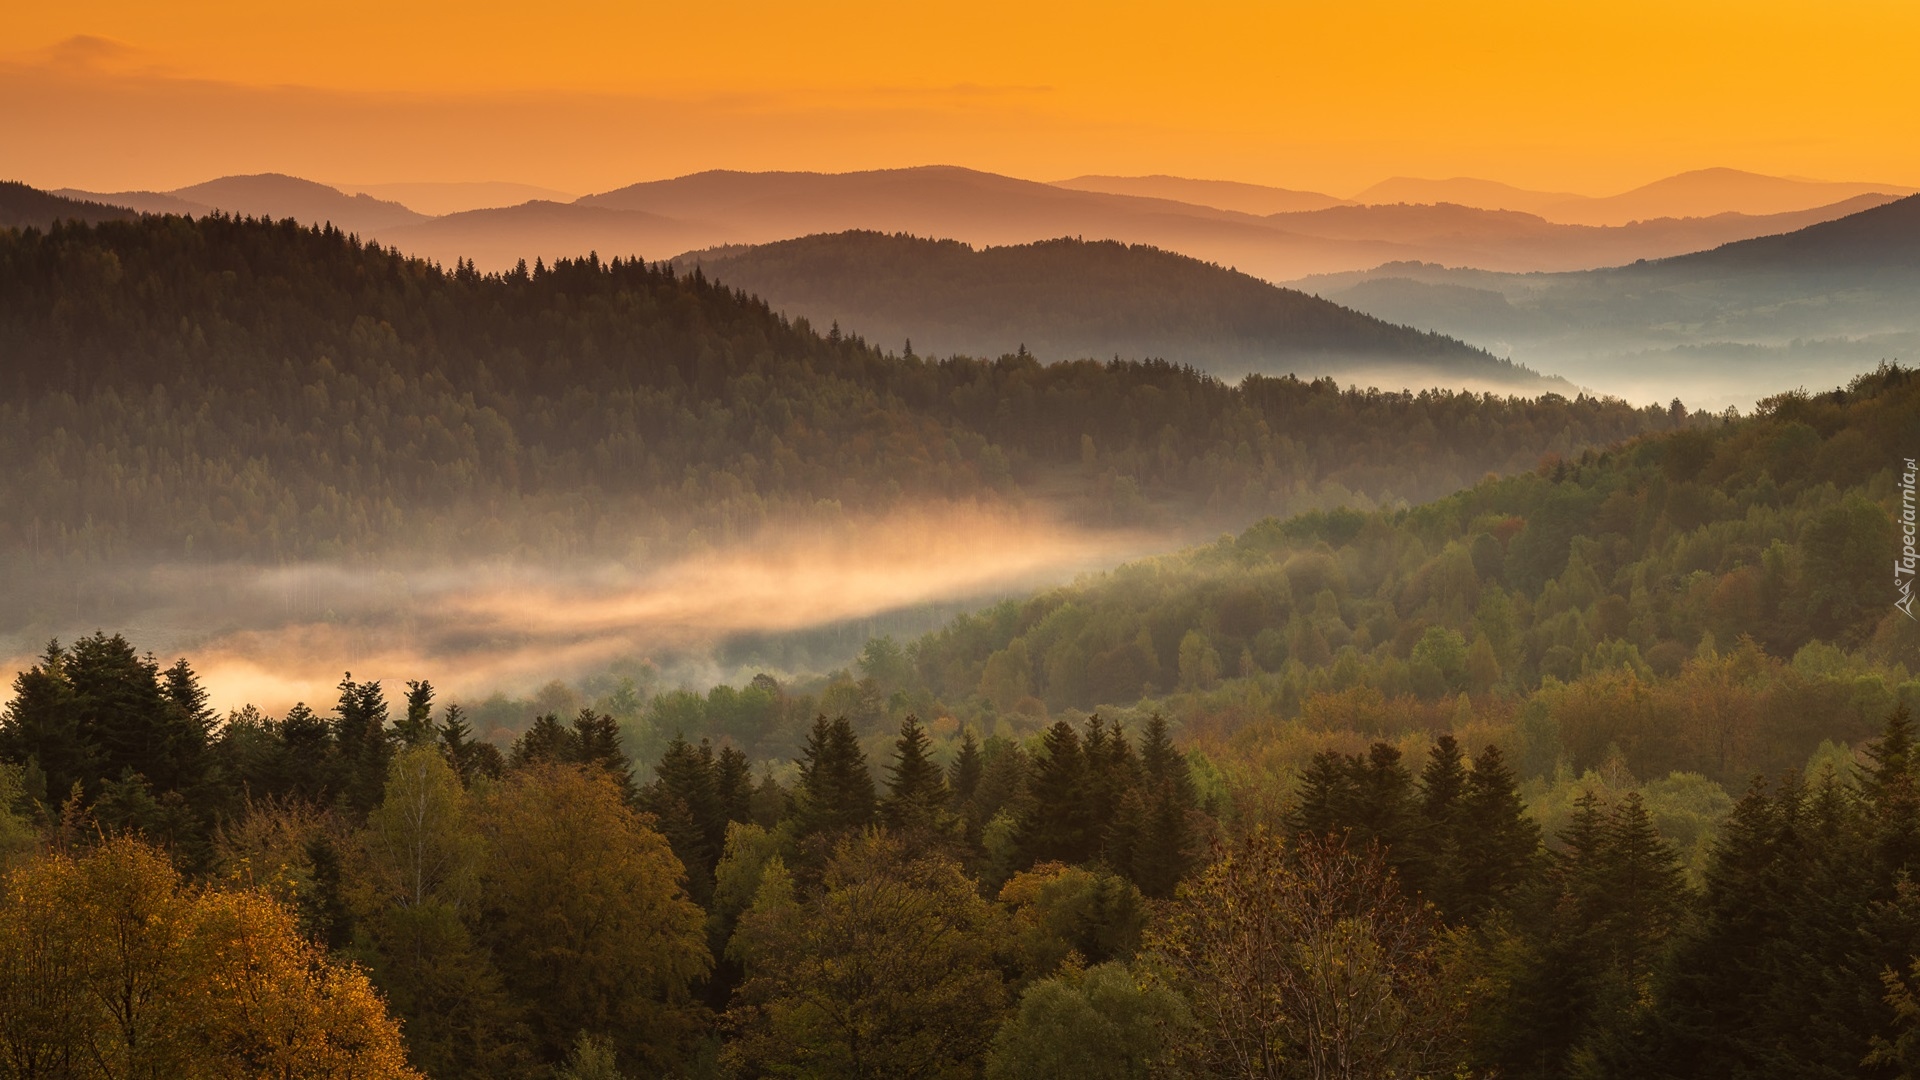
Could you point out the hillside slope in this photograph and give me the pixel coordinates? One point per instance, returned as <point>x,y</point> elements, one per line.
<point>1797,308</point>
<point>1068,299</point>
<point>24,207</point>
<point>223,388</point>
<point>270,195</point>
<point>1639,603</point>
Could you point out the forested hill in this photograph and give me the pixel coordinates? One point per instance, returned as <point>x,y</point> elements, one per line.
<point>26,207</point>
<point>1716,601</point>
<point>1874,241</point>
<point>1070,299</point>
<point>223,387</point>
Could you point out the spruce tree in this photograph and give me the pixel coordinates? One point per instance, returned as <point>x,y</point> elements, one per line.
<point>545,742</point>
<point>1639,892</point>
<point>1496,844</point>
<point>360,733</point>
<point>1443,782</point>
<point>916,788</point>
<point>1055,827</point>
<point>1384,812</point>
<point>595,743</point>
<point>416,727</point>
<point>1110,801</point>
<point>963,779</point>
<point>835,795</point>
<point>1327,796</point>
<point>732,786</point>
<point>456,743</point>
<point>1162,762</point>
<point>40,728</point>
<point>1890,788</point>
<point>311,768</point>
<point>1165,848</point>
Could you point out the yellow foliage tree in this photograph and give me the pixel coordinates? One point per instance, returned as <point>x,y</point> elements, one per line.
<point>584,905</point>
<point>111,967</point>
<point>884,970</point>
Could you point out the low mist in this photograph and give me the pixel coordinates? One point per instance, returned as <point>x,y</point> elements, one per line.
<point>271,636</point>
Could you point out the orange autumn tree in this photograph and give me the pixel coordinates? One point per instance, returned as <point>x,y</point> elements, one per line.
<point>111,966</point>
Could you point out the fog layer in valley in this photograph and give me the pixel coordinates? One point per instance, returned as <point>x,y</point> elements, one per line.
<point>271,636</point>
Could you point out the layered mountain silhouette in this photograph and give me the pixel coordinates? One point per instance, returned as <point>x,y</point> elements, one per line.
<point>1068,299</point>
<point>1255,199</point>
<point>458,196</point>
<point>23,207</point>
<point>267,195</point>
<point>658,218</point>
<point>1700,193</point>
<point>496,239</point>
<point>1828,298</point>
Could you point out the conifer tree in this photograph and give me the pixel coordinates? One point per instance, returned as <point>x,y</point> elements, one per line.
<point>916,788</point>
<point>1638,892</point>
<point>732,786</point>
<point>545,742</point>
<point>1889,786</point>
<point>1327,795</point>
<point>41,727</point>
<point>684,804</point>
<point>596,743</point>
<point>311,767</point>
<point>963,779</point>
<point>456,742</point>
<point>360,733</point>
<point>835,794</point>
<point>1165,848</point>
<point>1496,845</point>
<point>416,727</point>
<point>1162,763</point>
<point>1055,826</point>
<point>1111,802</point>
<point>1443,782</point>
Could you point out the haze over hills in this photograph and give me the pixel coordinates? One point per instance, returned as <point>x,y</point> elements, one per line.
<point>1508,240</point>
<point>1257,199</point>
<point>715,208</point>
<point>498,238</point>
<point>1700,193</point>
<point>268,195</point>
<point>1068,299</point>
<point>438,198</point>
<point>25,207</point>
<point>296,407</point>
<point>1715,326</point>
<point>1464,191</point>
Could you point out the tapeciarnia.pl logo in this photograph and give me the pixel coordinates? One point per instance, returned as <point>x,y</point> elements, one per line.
<point>1904,565</point>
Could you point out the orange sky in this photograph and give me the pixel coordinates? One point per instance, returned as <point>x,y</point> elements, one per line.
<point>1580,96</point>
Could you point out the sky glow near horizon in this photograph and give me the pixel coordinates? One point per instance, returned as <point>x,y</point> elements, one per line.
<point>1587,97</point>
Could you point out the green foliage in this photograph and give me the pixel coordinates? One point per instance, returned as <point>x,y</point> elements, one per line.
<point>835,795</point>
<point>1103,1023</point>
<point>883,970</point>
<point>228,388</point>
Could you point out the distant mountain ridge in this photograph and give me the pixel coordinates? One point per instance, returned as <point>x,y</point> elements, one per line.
<point>658,218</point>
<point>1699,193</point>
<point>272,195</point>
<point>24,207</point>
<point>1258,199</point>
<point>1826,300</point>
<point>1066,299</point>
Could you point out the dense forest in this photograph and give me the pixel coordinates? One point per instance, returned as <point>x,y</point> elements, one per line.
<point>1067,299</point>
<point>1603,770</point>
<point>221,388</point>
<point>354,894</point>
<point>1715,601</point>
